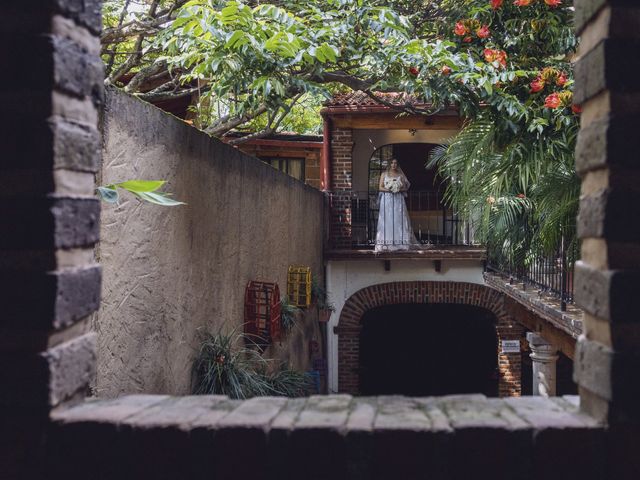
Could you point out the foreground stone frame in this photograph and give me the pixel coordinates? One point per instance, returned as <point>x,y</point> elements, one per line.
<point>456,293</point>
<point>327,437</point>
<point>48,226</point>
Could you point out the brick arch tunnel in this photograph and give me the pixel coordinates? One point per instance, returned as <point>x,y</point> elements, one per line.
<point>428,349</point>
<point>396,338</point>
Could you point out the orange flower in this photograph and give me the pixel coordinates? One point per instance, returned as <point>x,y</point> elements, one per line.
<point>552,101</point>
<point>460,29</point>
<point>553,3</point>
<point>577,109</point>
<point>522,3</point>
<point>537,85</point>
<point>483,32</point>
<point>561,80</point>
<point>446,70</point>
<point>495,4</point>
<point>491,55</point>
<point>566,98</point>
<point>549,74</point>
<point>467,39</point>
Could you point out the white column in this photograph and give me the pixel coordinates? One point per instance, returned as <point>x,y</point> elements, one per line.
<point>544,356</point>
<point>335,294</point>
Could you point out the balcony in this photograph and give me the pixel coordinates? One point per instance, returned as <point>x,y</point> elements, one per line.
<point>441,234</point>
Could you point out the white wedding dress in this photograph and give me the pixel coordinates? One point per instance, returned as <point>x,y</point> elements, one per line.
<point>394,230</point>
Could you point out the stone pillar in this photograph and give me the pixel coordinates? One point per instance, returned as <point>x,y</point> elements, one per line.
<point>607,279</point>
<point>49,218</point>
<point>544,356</point>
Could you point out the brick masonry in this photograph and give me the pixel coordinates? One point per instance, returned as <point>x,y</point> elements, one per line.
<point>348,329</point>
<point>607,277</point>
<point>49,219</point>
<point>341,178</point>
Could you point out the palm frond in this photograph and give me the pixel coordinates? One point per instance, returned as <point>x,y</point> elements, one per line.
<point>519,188</point>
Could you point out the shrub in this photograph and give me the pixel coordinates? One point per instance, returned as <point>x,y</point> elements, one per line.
<point>225,367</point>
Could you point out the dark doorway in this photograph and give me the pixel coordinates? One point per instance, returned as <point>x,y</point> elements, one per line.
<point>423,350</point>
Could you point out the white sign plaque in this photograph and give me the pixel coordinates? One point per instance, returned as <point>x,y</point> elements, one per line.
<point>510,346</point>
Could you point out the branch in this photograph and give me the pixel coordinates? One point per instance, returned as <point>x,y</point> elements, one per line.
<point>407,107</point>
<point>123,14</point>
<point>132,29</point>
<point>137,27</point>
<point>271,128</point>
<point>133,60</point>
<point>354,83</point>
<point>162,93</point>
<point>144,74</point>
<point>218,129</point>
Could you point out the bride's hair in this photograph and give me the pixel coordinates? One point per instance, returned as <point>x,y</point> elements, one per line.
<point>388,169</point>
<point>400,171</point>
<point>390,161</point>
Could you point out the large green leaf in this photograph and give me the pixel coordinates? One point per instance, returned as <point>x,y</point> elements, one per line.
<point>158,198</point>
<point>144,189</point>
<point>107,194</point>
<point>135,186</point>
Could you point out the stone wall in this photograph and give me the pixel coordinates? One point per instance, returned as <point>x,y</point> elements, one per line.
<point>171,273</point>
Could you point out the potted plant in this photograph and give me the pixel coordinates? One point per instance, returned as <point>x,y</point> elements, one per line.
<point>319,297</point>
<point>288,314</point>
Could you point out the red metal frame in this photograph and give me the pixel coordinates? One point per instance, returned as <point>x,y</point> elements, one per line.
<point>262,311</point>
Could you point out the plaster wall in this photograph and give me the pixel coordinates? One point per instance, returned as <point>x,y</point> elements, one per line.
<point>170,273</point>
<point>367,141</point>
<point>344,278</point>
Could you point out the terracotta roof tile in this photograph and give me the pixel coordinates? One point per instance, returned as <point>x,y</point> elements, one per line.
<point>361,99</point>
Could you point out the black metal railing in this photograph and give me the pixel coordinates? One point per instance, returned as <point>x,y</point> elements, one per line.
<point>551,274</point>
<point>355,214</point>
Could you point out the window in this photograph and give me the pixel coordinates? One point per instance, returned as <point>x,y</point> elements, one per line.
<point>290,166</point>
<point>378,164</point>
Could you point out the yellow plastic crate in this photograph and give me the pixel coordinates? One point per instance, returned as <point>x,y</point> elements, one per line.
<point>299,285</point>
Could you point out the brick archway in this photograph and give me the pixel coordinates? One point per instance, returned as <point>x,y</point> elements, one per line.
<point>349,324</point>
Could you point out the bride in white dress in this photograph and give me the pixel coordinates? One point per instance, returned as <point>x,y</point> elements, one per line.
<point>394,226</point>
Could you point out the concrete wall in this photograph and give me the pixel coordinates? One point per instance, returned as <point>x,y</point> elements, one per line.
<point>172,272</point>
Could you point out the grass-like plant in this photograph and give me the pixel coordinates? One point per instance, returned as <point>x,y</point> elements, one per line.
<point>319,296</point>
<point>286,382</point>
<point>224,366</point>
<point>288,314</point>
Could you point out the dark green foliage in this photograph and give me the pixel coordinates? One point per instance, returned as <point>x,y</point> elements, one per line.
<point>319,296</point>
<point>288,314</point>
<point>511,168</point>
<point>225,367</point>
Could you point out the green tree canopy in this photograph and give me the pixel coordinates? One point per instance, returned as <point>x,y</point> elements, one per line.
<point>504,64</point>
